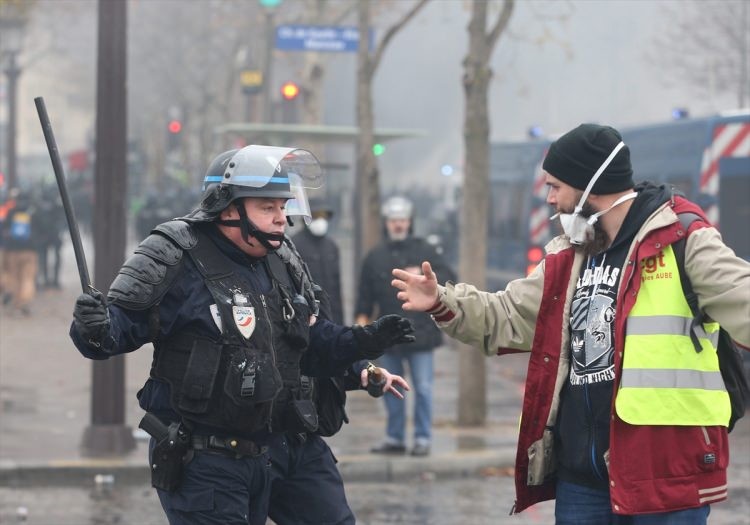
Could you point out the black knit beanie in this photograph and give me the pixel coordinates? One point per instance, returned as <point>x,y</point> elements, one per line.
<point>575,157</point>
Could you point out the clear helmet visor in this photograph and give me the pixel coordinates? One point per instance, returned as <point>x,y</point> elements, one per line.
<point>298,205</point>
<point>275,172</point>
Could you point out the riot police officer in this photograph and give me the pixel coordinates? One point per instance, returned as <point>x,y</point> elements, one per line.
<point>237,347</point>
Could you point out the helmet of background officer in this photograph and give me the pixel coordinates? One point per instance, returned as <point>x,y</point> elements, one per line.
<point>398,214</point>
<point>252,193</point>
<point>321,213</point>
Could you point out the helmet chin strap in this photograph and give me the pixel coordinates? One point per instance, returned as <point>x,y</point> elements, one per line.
<point>249,229</point>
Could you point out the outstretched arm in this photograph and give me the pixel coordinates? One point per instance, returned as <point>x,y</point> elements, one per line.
<point>418,292</point>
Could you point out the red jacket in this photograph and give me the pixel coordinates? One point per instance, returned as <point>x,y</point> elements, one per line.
<point>651,468</point>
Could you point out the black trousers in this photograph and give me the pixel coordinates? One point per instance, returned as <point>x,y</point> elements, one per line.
<point>295,482</point>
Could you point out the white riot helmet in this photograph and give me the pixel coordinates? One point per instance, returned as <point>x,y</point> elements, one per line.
<point>397,208</point>
<point>258,171</point>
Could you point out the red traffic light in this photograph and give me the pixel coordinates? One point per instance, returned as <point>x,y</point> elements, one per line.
<point>289,90</point>
<point>175,126</point>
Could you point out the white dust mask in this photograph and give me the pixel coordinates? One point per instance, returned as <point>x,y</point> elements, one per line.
<point>580,229</point>
<point>318,227</point>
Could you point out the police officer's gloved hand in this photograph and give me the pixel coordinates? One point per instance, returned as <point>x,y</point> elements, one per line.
<point>92,320</point>
<point>372,339</point>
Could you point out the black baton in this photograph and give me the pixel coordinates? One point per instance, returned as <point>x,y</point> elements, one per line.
<point>75,236</point>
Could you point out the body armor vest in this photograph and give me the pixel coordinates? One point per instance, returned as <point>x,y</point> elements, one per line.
<point>248,378</point>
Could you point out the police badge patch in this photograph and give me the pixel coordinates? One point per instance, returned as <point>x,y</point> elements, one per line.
<point>244,319</point>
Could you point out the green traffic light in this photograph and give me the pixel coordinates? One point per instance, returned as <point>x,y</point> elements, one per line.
<point>378,149</point>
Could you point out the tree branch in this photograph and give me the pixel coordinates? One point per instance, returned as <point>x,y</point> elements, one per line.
<point>500,24</point>
<point>395,28</point>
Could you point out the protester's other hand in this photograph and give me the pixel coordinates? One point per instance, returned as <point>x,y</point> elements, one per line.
<point>92,318</point>
<point>391,382</point>
<point>372,339</point>
<point>419,292</point>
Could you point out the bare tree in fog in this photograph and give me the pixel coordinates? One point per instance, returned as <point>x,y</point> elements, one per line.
<point>187,58</point>
<point>472,402</point>
<point>706,47</point>
<point>368,179</point>
<point>60,40</point>
<point>184,64</point>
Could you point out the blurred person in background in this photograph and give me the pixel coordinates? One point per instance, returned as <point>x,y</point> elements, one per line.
<point>48,223</point>
<point>20,259</point>
<point>401,249</point>
<point>7,202</point>
<point>239,346</point>
<point>321,254</point>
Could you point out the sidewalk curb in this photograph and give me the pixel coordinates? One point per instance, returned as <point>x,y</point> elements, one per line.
<point>353,468</point>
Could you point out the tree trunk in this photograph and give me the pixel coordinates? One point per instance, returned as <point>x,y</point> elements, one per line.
<point>472,407</point>
<point>367,180</point>
<point>472,399</point>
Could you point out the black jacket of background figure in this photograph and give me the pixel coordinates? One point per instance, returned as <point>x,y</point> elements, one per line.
<point>322,257</point>
<point>376,296</point>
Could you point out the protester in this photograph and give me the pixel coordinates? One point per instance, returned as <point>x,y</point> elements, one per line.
<point>238,348</point>
<point>20,257</point>
<point>402,249</point>
<point>625,411</point>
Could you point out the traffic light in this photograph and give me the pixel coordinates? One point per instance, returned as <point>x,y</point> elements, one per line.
<point>289,90</point>
<point>378,149</point>
<point>175,126</point>
<point>174,135</point>
<point>289,100</point>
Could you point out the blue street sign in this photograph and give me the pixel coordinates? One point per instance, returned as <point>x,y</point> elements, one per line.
<point>319,38</point>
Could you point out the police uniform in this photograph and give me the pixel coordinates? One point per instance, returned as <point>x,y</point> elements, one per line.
<point>233,373</point>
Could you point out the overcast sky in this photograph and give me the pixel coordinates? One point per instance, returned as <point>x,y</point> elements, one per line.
<point>592,66</point>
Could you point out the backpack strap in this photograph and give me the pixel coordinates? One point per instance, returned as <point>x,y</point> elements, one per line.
<point>686,219</point>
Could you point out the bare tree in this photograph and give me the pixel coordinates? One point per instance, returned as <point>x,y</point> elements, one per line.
<point>195,73</point>
<point>472,404</point>
<point>367,176</point>
<point>707,48</point>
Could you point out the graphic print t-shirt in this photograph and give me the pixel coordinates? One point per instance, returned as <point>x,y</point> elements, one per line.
<point>592,316</point>
<point>582,429</point>
<point>583,422</point>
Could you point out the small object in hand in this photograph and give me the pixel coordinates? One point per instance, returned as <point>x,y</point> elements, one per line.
<point>375,380</point>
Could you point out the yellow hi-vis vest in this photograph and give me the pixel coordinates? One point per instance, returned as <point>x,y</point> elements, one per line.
<point>664,380</point>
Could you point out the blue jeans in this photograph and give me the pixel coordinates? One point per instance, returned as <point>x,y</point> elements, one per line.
<point>421,371</point>
<point>581,505</point>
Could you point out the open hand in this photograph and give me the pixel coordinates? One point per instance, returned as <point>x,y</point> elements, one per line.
<point>418,292</point>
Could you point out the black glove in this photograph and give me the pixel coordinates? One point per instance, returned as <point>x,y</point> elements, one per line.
<point>92,320</point>
<point>389,330</point>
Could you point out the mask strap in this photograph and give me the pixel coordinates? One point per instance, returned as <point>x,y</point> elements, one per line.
<point>626,197</point>
<point>597,175</point>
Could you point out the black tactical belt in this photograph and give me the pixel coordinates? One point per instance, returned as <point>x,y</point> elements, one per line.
<point>229,446</point>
